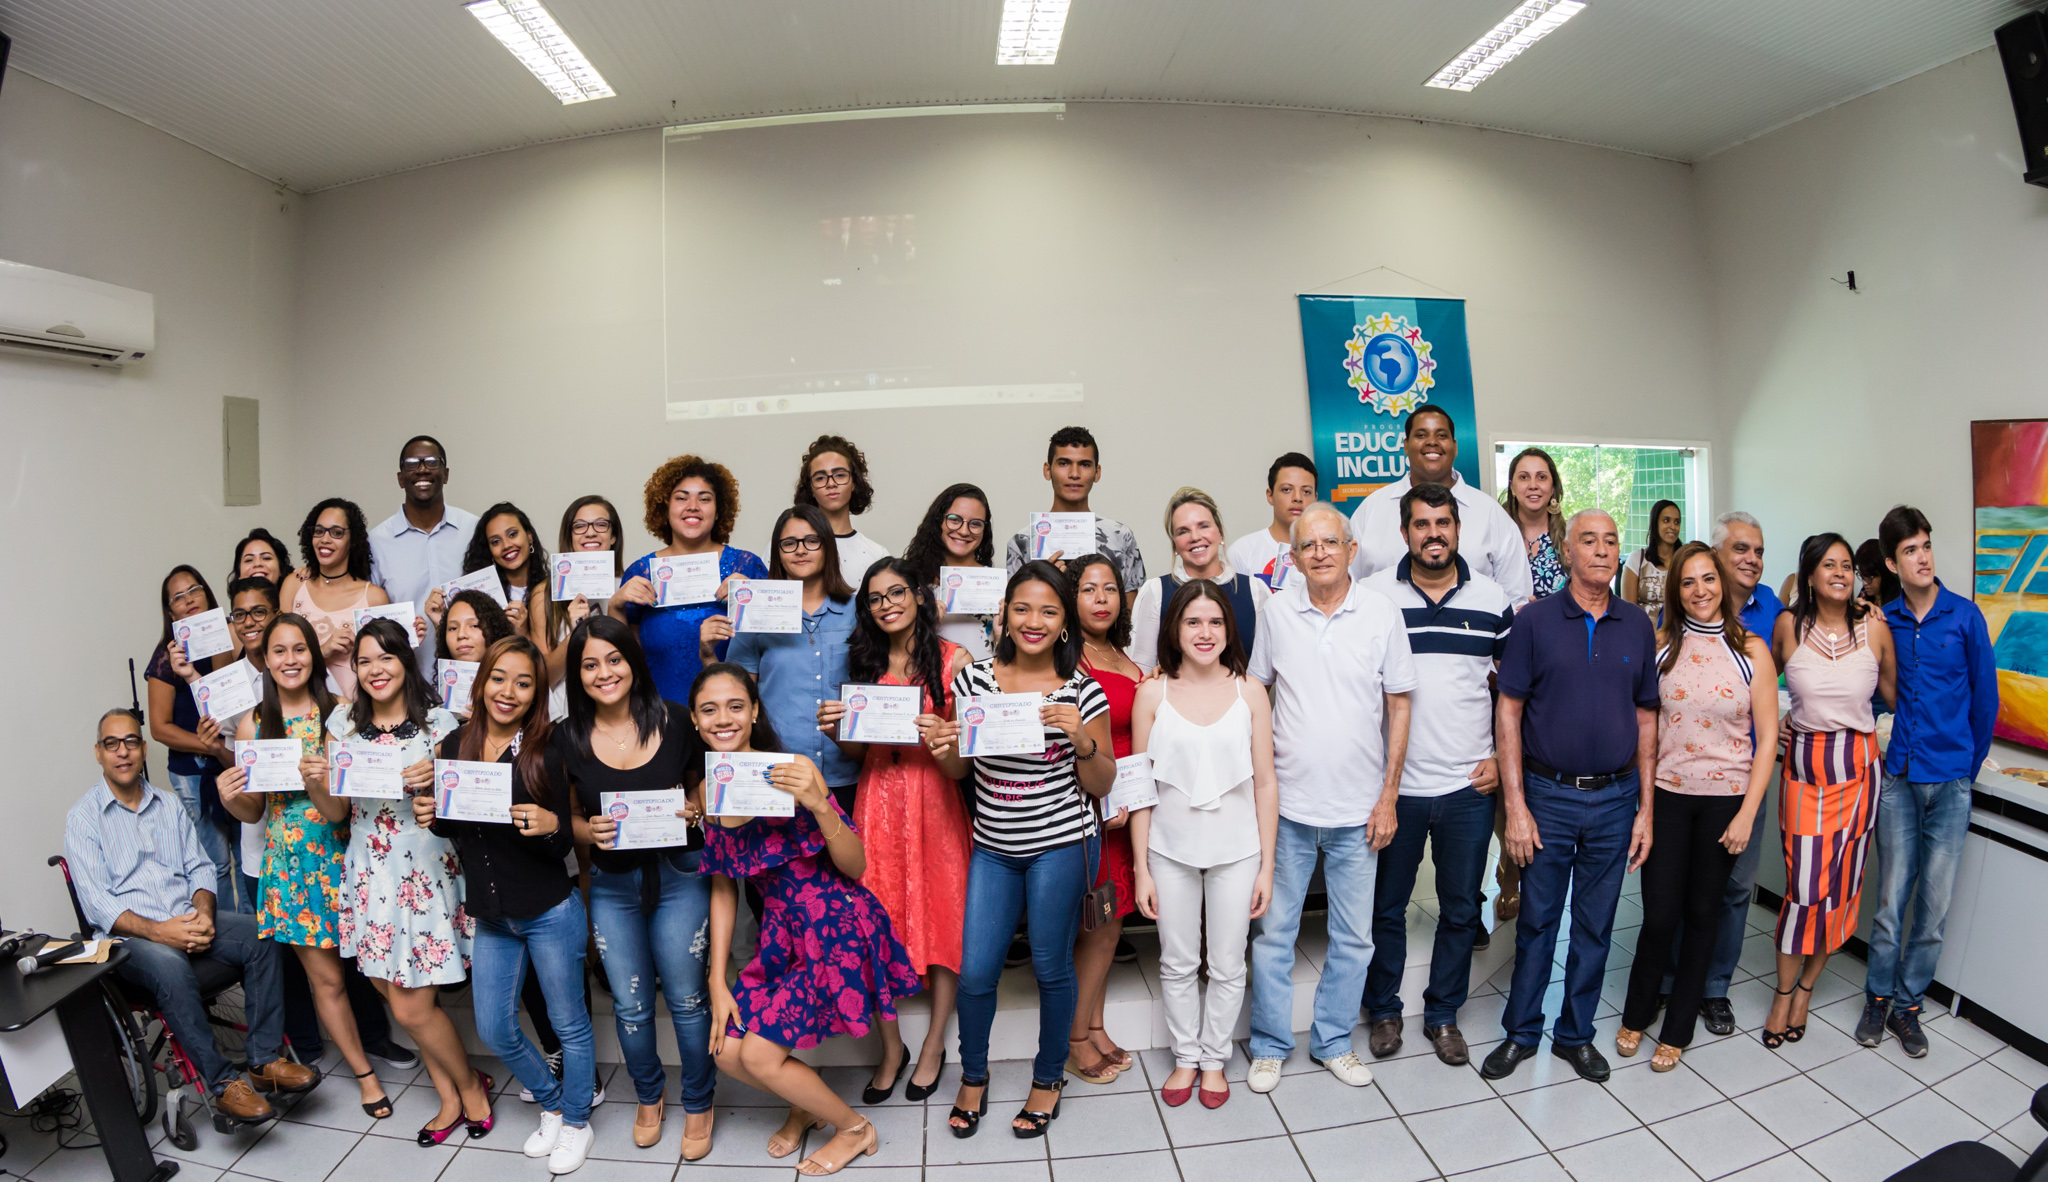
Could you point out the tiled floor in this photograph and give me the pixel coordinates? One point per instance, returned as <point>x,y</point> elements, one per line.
<point>1820,1109</point>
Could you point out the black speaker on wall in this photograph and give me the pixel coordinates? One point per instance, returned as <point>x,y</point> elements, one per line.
<point>2023,45</point>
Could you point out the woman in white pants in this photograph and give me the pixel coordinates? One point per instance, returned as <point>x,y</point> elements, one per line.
<point>1207,846</point>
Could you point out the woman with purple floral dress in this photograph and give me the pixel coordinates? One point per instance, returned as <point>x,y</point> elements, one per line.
<point>401,913</point>
<point>827,959</point>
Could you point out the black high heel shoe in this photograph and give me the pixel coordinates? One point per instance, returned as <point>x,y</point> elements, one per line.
<point>972,1118</point>
<point>379,1108</point>
<point>1773,1039</point>
<point>1035,1122</point>
<point>1795,1033</point>
<point>874,1095</point>
<point>917,1091</point>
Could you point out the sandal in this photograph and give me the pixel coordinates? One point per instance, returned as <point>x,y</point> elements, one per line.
<point>1122,1060</point>
<point>817,1165</point>
<point>1666,1057</point>
<point>1795,1033</point>
<point>379,1108</point>
<point>793,1140</point>
<point>1773,1039</point>
<point>1104,1071</point>
<point>1626,1041</point>
<point>973,1118</point>
<point>1035,1122</point>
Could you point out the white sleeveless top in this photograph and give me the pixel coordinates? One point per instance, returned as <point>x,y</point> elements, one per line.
<point>1205,816</point>
<point>1831,680</point>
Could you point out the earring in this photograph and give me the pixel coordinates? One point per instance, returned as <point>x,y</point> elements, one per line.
<point>1063,636</point>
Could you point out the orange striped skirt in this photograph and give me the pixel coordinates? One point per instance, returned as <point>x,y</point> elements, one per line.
<point>1825,807</point>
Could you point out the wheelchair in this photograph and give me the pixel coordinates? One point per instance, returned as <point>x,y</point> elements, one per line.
<point>133,1011</point>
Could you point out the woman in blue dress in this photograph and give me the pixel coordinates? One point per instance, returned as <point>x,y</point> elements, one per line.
<point>691,504</point>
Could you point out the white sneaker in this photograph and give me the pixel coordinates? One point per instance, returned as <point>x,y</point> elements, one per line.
<point>1265,1075</point>
<point>546,1137</point>
<point>568,1156</point>
<point>1347,1067</point>
<point>597,1097</point>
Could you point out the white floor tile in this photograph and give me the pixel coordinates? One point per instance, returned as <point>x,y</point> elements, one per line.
<point>1924,1122</point>
<point>1634,1156</point>
<point>1859,1153</point>
<point>1571,1113</point>
<point>1718,1140</point>
<point>1334,1155</point>
<point>1473,1137</point>
<point>1798,1110</point>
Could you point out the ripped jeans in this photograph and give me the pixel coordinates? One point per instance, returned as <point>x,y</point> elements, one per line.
<point>668,947</point>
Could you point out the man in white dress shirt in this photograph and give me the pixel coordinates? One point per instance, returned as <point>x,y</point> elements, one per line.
<point>420,547</point>
<point>1491,542</point>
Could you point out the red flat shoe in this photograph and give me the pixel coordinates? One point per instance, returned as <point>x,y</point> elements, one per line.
<point>477,1128</point>
<point>1215,1099</point>
<point>1175,1097</point>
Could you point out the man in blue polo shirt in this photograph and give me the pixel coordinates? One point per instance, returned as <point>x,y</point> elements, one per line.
<point>1948,701</point>
<point>1577,735</point>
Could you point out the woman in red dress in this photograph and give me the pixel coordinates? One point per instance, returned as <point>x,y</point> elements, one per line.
<point>1105,617</point>
<point>910,814</point>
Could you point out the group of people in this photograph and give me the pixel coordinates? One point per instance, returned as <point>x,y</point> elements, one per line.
<point>1431,670</point>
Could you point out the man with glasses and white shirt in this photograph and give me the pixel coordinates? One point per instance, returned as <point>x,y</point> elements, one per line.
<point>834,477</point>
<point>420,547</point>
<point>1336,656</point>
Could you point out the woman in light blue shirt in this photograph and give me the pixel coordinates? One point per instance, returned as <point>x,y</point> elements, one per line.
<point>798,670</point>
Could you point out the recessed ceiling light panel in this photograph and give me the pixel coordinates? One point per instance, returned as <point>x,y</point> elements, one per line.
<point>530,32</point>
<point>1030,32</point>
<point>1530,22</point>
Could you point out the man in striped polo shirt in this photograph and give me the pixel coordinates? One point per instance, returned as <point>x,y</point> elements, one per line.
<point>1457,624</point>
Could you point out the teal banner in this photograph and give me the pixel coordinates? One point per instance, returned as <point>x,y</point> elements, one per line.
<point>1371,360</point>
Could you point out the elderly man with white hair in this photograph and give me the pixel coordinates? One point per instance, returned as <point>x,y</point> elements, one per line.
<point>1576,735</point>
<point>1336,655</point>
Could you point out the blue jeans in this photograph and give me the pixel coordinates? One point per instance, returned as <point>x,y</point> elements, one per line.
<point>1458,828</point>
<point>211,839</point>
<point>1350,870</point>
<point>1734,930</point>
<point>669,947</point>
<point>1920,832</point>
<point>1047,887</point>
<point>167,973</point>
<point>1585,837</point>
<point>554,941</point>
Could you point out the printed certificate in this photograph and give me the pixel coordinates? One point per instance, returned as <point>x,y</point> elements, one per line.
<point>357,767</point>
<point>485,580</point>
<point>736,785</point>
<point>226,693</point>
<point>455,681</point>
<point>684,579</point>
<point>1001,724</point>
<point>272,765</point>
<point>583,572</point>
<point>1067,534</point>
<point>972,590</point>
<point>472,790</point>
<point>647,820</point>
<point>204,634</point>
<point>401,612</point>
<point>880,713</point>
<point>1133,789</point>
<point>766,605</point>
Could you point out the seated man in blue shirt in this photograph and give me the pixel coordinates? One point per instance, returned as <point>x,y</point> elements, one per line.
<point>141,875</point>
<point>1948,701</point>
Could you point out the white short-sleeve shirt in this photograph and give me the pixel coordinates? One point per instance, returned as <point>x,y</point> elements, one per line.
<point>1488,539</point>
<point>858,552</point>
<point>1330,674</point>
<point>1268,561</point>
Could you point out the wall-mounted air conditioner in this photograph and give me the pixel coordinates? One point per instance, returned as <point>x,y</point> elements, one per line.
<point>51,314</point>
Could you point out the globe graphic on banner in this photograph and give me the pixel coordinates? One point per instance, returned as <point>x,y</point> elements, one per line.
<point>1390,363</point>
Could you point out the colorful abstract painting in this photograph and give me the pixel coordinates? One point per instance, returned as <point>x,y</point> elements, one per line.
<point>2009,462</point>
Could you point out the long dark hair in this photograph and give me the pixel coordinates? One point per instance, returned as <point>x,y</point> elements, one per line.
<point>259,534</point>
<point>1170,655</point>
<point>811,515</point>
<point>761,738</point>
<point>566,540</point>
<point>643,701</point>
<point>867,652</point>
<point>1806,609</point>
<point>1653,546</point>
<point>1120,630</point>
<point>1875,574</point>
<point>270,722</point>
<point>1066,650</point>
<point>531,763</point>
<point>1673,629</point>
<point>392,637</point>
<point>358,537</point>
<point>164,594</point>
<point>478,556</point>
<point>496,625</point>
<point>1555,510</point>
<point>926,552</point>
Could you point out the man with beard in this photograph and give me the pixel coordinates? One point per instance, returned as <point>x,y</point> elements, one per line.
<point>1457,624</point>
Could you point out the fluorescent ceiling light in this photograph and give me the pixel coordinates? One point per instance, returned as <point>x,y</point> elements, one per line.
<point>1030,33</point>
<point>530,32</point>
<point>1530,22</point>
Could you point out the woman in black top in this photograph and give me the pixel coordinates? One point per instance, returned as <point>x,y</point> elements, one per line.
<point>521,901</point>
<point>650,907</point>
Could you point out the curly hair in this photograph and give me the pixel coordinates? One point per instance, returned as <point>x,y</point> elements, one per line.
<point>863,492</point>
<point>358,537</point>
<point>259,534</point>
<point>1119,634</point>
<point>926,552</point>
<point>489,616</point>
<point>662,485</point>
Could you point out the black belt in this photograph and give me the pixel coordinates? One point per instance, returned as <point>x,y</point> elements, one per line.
<point>1582,783</point>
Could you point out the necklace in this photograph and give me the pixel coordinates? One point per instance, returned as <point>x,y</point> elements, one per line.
<point>618,742</point>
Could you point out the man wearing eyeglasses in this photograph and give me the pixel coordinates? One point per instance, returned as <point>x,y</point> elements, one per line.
<point>420,547</point>
<point>834,477</point>
<point>141,875</point>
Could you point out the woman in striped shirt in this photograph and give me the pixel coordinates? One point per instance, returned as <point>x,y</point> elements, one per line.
<point>1034,834</point>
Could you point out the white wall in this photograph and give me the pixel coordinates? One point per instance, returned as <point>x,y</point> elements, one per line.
<point>512,305</point>
<point>111,478</point>
<point>1839,405</point>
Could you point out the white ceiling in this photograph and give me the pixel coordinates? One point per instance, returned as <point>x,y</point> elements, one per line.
<point>318,94</point>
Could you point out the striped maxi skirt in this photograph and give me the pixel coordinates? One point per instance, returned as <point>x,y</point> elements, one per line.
<point>1825,809</point>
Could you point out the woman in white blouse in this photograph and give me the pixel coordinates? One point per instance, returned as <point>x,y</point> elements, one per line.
<point>1208,843</point>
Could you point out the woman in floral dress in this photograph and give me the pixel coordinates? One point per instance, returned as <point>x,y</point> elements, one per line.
<point>401,915</point>
<point>300,894</point>
<point>827,960</point>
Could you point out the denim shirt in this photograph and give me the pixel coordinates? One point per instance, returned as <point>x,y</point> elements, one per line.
<point>1948,690</point>
<point>797,671</point>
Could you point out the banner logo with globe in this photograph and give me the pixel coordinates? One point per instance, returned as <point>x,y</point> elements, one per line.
<point>1371,361</point>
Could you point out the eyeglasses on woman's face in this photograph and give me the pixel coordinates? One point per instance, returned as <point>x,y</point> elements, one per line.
<point>191,594</point>
<point>584,529</point>
<point>831,478</point>
<point>336,532</point>
<point>972,525</point>
<point>806,542</point>
<point>899,594</point>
